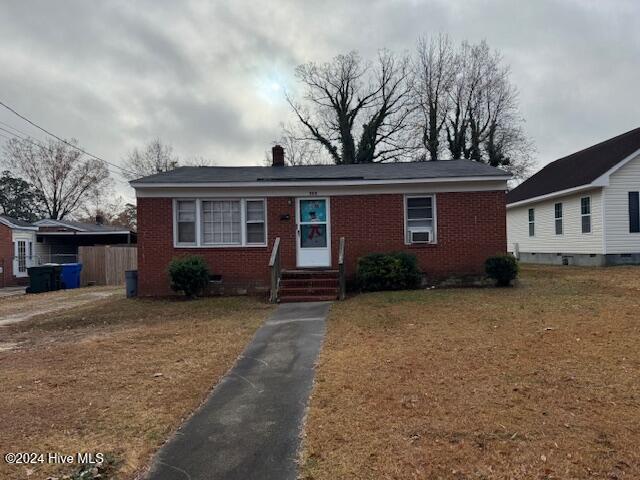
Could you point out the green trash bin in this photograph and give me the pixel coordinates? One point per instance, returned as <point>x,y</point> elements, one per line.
<point>44,278</point>
<point>56,276</point>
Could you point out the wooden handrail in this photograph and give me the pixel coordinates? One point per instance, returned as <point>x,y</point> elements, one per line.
<point>274,265</point>
<point>275,252</point>
<point>341,269</point>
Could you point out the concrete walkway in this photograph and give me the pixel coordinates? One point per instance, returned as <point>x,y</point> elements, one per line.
<point>249,427</point>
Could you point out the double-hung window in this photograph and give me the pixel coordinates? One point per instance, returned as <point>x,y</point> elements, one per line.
<point>532,222</point>
<point>220,222</point>
<point>255,222</point>
<point>634,212</point>
<point>420,219</point>
<point>186,222</point>
<point>585,213</point>
<point>558,218</point>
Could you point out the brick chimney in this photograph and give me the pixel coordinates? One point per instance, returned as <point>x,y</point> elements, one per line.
<point>278,156</point>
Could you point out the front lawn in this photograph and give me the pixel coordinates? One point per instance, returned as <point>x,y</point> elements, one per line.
<point>541,381</point>
<point>117,376</point>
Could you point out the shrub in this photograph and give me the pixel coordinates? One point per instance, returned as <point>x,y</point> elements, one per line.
<point>391,271</point>
<point>189,274</point>
<point>502,268</point>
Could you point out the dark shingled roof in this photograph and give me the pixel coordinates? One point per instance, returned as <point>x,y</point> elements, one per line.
<point>320,173</point>
<point>578,169</point>
<point>16,222</point>
<point>91,227</point>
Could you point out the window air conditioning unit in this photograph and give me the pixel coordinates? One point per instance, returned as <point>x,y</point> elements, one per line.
<point>421,235</point>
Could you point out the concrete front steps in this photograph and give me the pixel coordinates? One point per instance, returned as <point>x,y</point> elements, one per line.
<point>308,286</point>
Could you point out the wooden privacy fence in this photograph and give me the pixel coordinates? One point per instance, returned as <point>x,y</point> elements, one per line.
<point>106,264</point>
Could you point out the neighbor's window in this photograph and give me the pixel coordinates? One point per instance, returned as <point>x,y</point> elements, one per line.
<point>634,212</point>
<point>585,211</point>
<point>221,222</point>
<point>532,222</point>
<point>186,221</point>
<point>419,216</point>
<point>558,218</point>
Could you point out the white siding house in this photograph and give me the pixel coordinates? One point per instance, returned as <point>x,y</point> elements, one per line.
<point>596,222</point>
<point>618,235</point>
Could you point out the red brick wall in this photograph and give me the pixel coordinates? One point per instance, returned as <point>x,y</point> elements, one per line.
<point>470,227</point>
<point>246,266</point>
<point>6,256</point>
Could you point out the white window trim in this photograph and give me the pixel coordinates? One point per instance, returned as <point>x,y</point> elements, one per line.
<point>407,240</point>
<point>590,215</point>
<point>531,222</point>
<point>243,225</point>
<point>243,233</point>
<point>561,218</point>
<point>175,223</point>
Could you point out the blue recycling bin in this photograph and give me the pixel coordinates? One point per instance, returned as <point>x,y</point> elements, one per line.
<point>71,275</point>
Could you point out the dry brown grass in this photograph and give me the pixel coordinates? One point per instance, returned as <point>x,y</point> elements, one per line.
<point>541,381</point>
<point>85,379</point>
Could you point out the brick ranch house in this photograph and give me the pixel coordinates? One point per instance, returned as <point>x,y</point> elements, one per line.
<point>450,214</point>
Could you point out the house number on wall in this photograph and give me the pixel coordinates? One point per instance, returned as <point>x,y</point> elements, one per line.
<point>313,194</point>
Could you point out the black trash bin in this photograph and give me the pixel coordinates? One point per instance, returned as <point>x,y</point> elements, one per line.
<point>131,280</point>
<point>44,278</point>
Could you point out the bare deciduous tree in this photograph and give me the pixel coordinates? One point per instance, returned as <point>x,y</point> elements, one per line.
<point>447,102</point>
<point>348,94</point>
<point>112,210</point>
<point>61,175</point>
<point>434,75</point>
<point>466,84</point>
<point>483,123</point>
<point>199,161</point>
<point>298,149</point>
<point>156,157</point>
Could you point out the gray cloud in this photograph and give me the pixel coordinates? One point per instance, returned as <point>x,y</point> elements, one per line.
<point>208,77</point>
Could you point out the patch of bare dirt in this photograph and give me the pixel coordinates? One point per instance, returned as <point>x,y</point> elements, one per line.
<point>16,309</point>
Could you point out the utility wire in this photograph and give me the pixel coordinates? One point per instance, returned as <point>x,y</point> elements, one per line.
<point>29,140</point>
<point>63,140</point>
<point>18,135</point>
<point>16,130</point>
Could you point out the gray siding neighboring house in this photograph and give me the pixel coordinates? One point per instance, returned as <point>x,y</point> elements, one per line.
<point>590,218</point>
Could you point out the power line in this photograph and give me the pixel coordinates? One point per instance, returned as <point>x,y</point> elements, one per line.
<point>15,129</point>
<point>63,140</point>
<point>17,135</point>
<point>32,142</point>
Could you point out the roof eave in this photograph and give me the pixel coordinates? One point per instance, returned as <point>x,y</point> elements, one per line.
<point>559,193</point>
<point>480,178</point>
<point>48,221</point>
<point>15,226</point>
<point>601,181</point>
<point>116,232</point>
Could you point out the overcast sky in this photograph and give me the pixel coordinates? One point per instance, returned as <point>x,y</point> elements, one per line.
<point>208,77</point>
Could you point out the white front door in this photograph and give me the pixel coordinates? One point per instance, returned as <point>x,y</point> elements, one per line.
<point>21,260</point>
<point>313,232</point>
